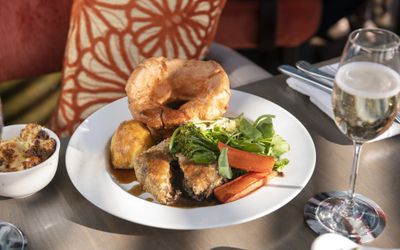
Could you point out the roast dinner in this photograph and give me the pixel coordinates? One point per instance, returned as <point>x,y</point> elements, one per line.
<point>180,145</point>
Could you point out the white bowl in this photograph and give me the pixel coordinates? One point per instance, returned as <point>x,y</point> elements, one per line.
<point>23,183</point>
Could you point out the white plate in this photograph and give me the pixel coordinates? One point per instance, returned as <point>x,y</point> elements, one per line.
<point>87,162</point>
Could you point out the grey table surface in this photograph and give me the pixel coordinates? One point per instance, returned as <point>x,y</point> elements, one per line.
<point>59,217</point>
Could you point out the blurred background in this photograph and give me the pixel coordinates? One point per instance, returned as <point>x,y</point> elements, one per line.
<point>268,32</point>
<point>314,30</point>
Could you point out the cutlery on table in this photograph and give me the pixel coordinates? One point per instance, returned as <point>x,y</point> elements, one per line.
<point>296,73</point>
<point>313,80</point>
<point>314,71</point>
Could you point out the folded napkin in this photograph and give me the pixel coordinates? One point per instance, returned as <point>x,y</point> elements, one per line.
<point>323,100</point>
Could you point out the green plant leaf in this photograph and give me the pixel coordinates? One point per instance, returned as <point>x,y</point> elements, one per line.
<point>223,165</point>
<point>265,126</point>
<point>248,130</point>
<point>279,146</point>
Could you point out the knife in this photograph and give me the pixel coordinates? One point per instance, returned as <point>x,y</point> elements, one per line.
<point>293,72</point>
<point>314,71</point>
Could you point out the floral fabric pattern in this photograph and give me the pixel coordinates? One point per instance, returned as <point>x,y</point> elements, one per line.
<point>108,38</point>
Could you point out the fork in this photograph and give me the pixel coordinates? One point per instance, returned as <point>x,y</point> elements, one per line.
<point>315,72</point>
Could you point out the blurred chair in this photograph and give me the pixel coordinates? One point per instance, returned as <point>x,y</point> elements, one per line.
<point>33,37</point>
<point>241,71</point>
<point>269,32</point>
<point>267,25</point>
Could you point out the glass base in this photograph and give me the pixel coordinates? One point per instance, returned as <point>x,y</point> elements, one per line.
<point>361,221</point>
<point>11,237</point>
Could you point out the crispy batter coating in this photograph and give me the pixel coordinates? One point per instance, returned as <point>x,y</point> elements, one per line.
<point>153,171</point>
<point>165,93</point>
<point>199,180</point>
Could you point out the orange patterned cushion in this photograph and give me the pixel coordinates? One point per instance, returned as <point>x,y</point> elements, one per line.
<point>108,38</point>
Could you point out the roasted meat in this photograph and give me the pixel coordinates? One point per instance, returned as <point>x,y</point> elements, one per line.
<point>153,171</point>
<point>199,180</point>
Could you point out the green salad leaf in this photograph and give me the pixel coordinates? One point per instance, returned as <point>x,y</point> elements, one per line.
<point>198,141</point>
<point>248,129</point>
<point>279,146</point>
<point>223,166</point>
<point>265,126</point>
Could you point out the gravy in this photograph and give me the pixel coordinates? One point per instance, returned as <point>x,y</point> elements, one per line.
<point>123,176</point>
<point>184,202</point>
<point>136,190</point>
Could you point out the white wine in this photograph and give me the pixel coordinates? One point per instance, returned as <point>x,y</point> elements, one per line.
<point>365,99</point>
<point>365,103</point>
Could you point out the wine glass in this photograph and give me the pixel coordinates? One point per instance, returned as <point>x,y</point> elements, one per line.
<point>10,236</point>
<point>365,102</point>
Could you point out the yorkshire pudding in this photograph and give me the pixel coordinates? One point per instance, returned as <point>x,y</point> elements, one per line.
<point>165,93</point>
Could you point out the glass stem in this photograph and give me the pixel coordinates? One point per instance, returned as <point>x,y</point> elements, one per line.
<point>354,171</point>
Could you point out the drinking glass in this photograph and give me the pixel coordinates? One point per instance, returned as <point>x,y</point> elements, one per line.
<point>365,103</point>
<point>10,236</point>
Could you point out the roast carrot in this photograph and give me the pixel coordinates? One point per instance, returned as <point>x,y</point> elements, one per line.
<point>248,161</point>
<point>242,186</point>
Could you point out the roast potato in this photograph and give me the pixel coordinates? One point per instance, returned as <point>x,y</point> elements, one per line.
<point>129,140</point>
